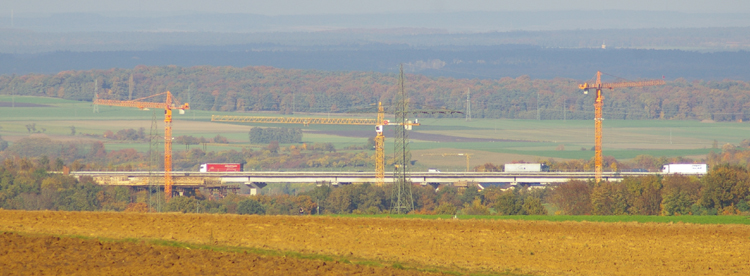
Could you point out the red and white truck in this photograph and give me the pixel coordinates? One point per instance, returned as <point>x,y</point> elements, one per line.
<point>221,167</point>
<point>685,169</point>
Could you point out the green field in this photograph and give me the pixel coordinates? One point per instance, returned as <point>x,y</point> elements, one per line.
<point>613,218</point>
<point>527,140</point>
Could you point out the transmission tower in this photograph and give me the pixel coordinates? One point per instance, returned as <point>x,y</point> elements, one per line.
<point>96,95</point>
<point>468,104</point>
<point>130,87</point>
<point>153,163</point>
<point>402,201</point>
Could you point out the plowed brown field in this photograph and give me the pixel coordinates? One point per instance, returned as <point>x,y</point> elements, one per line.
<point>23,255</point>
<point>550,248</point>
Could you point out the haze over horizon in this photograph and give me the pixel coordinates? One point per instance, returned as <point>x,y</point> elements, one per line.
<point>434,37</point>
<point>297,7</point>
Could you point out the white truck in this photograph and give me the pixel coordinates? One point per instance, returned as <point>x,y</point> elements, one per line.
<point>526,167</point>
<point>685,169</point>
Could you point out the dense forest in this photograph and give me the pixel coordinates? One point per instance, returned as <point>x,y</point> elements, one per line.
<point>287,91</point>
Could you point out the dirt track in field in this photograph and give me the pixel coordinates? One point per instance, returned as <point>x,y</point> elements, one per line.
<point>34,255</point>
<point>548,248</point>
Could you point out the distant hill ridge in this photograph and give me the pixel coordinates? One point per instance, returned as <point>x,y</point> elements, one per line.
<point>286,91</point>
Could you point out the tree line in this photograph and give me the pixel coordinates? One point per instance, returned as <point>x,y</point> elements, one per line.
<point>26,184</point>
<point>286,91</point>
<point>260,135</point>
<point>724,190</point>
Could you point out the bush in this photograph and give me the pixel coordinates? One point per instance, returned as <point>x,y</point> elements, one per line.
<point>476,208</point>
<point>509,204</point>
<point>743,206</point>
<point>698,210</point>
<point>181,204</point>
<point>139,207</point>
<point>250,207</point>
<point>533,206</point>
<point>446,209</point>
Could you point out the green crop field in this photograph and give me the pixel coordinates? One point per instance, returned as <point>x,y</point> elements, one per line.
<point>489,140</point>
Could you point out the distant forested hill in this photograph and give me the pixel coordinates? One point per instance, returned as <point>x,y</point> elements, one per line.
<point>282,90</point>
<point>482,62</point>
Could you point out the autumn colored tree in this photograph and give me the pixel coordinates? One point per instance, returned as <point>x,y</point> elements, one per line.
<point>573,197</point>
<point>250,206</point>
<point>644,195</point>
<point>679,193</point>
<point>487,167</point>
<point>509,203</point>
<point>475,208</point>
<point>533,206</point>
<point>725,186</point>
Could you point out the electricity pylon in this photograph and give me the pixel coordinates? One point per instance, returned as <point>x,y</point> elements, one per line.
<point>96,96</point>
<point>401,200</point>
<point>153,161</point>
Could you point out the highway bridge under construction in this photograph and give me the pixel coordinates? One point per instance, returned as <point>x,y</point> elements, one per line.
<point>255,180</point>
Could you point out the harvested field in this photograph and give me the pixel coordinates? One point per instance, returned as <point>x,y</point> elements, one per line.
<point>416,135</point>
<point>538,247</point>
<point>45,255</point>
<point>20,104</point>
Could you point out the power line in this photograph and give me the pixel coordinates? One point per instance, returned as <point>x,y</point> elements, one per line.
<point>468,104</point>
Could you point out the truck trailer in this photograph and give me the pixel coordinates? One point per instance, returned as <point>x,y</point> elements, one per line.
<point>526,167</point>
<point>685,169</point>
<point>221,167</point>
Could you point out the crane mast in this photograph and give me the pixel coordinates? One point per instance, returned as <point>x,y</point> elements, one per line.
<point>167,105</point>
<point>379,122</point>
<point>598,103</point>
<point>380,147</point>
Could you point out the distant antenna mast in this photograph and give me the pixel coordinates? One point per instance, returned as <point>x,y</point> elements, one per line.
<point>468,104</point>
<point>12,23</point>
<point>130,87</point>
<point>96,95</point>
<point>538,116</point>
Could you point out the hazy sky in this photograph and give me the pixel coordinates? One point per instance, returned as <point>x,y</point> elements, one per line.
<point>275,7</point>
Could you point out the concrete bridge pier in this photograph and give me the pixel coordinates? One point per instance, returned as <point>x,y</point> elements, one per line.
<point>255,187</point>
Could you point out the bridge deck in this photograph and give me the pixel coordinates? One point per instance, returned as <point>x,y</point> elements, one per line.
<point>223,179</point>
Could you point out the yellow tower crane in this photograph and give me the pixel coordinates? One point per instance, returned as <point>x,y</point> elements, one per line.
<point>380,146</point>
<point>467,155</point>
<point>167,105</point>
<point>379,122</point>
<point>598,112</point>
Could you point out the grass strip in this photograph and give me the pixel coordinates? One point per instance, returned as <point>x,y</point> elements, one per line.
<point>618,218</point>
